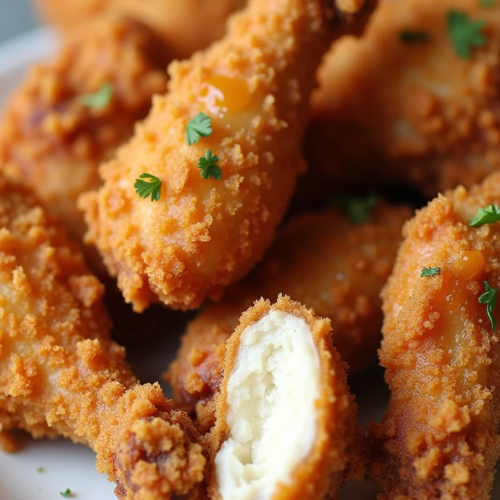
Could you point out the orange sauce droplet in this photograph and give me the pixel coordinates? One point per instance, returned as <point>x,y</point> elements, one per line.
<point>223,94</point>
<point>470,265</point>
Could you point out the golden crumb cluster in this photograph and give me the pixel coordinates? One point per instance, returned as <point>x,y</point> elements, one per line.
<point>60,374</point>
<point>51,135</point>
<point>440,435</point>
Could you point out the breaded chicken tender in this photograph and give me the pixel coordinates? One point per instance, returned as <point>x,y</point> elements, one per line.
<point>321,260</point>
<point>60,374</point>
<point>440,437</point>
<point>184,25</point>
<point>286,422</point>
<point>400,104</point>
<point>55,131</point>
<point>204,233</point>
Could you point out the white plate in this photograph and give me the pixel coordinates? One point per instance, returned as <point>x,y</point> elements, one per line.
<point>72,466</point>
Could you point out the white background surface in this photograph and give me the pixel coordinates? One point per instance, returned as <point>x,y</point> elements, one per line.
<point>72,466</point>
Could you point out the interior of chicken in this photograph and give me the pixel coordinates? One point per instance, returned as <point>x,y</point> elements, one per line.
<point>271,413</point>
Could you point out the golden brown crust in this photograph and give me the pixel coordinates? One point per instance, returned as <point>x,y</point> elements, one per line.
<point>321,260</point>
<point>184,26</point>
<point>51,140</point>
<point>60,374</point>
<point>209,233</point>
<point>388,110</point>
<point>440,436</point>
<point>339,436</point>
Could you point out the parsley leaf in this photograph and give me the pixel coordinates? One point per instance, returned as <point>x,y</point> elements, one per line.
<point>66,494</point>
<point>429,271</point>
<point>486,3</point>
<point>488,215</point>
<point>410,36</point>
<point>99,99</point>
<point>40,470</point>
<point>358,209</point>
<point>200,126</point>
<point>489,298</point>
<point>151,187</point>
<point>209,167</point>
<point>465,33</point>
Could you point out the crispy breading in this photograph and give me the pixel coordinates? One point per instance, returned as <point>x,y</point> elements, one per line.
<point>60,374</point>
<point>440,436</point>
<point>321,260</point>
<point>184,25</point>
<point>205,234</point>
<point>51,140</point>
<point>388,110</point>
<point>337,450</point>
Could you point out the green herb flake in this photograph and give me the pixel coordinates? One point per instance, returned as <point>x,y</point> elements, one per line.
<point>488,215</point>
<point>487,3</point>
<point>100,99</point>
<point>67,494</point>
<point>208,166</point>
<point>357,209</point>
<point>200,126</point>
<point>40,470</point>
<point>489,299</point>
<point>465,33</point>
<point>429,271</point>
<point>411,36</point>
<point>150,187</point>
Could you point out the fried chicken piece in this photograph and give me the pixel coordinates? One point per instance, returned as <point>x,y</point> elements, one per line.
<point>54,142</point>
<point>321,260</point>
<point>440,436</point>
<point>184,26</point>
<point>286,422</point>
<point>60,374</point>
<point>389,110</point>
<point>205,234</point>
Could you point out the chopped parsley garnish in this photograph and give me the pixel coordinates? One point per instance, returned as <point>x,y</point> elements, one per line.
<point>486,3</point>
<point>488,215</point>
<point>429,271</point>
<point>99,99</point>
<point>209,167</point>
<point>465,33</point>
<point>40,470</point>
<point>66,494</point>
<point>151,187</point>
<point>200,126</point>
<point>411,36</point>
<point>358,209</point>
<point>489,298</point>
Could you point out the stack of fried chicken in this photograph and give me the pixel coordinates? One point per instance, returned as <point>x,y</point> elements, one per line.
<point>260,161</point>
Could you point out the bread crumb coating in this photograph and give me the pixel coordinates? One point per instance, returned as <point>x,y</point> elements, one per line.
<point>60,374</point>
<point>391,110</point>
<point>204,234</point>
<point>51,140</point>
<point>440,436</point>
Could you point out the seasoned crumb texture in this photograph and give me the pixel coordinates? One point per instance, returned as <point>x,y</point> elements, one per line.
<point>205,234</point>
<point>60,374</point>
<point>417,112</point>
<point>184,26</point>
<point>337,450</point>
<point>440,436</point>
<point>321,260</point>
<point>51,140</point>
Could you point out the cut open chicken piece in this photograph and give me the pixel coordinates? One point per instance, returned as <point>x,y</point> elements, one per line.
<point>286,424</point>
